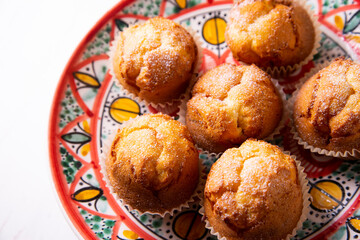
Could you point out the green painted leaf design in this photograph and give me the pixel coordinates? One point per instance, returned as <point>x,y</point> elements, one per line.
<point>339,234</point>
<point>76,138</point>
<point>352,23</point>
<point>120,24</point>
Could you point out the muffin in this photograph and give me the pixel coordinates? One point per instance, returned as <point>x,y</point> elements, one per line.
<point>327,108</point>
<point>155,60</point>
<point>269,33</point>
<point>253,192</point>
<point>153,164</point>
<point>230,104</point>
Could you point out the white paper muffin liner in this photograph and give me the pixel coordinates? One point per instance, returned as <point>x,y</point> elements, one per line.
<point>285,70</point>
<point>111,54</point>
<point>347,155</point>
<point>276,131</point>
<point>105,151</point>
<point>305,197</point>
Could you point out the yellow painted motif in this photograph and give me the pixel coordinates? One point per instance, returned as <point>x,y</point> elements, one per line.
<point>85,149</point>
<point>87,194</point>
<point>339,23</point>
<point>322,201</point>
<point>123,109</point>
<point>86,126</point>
<point>181,3</point>
<point>130,234</point>
<point>353,38</point>
<point>87,79</point>
<point>355,223</point>
<point>183,223</point>
<point>214,31</point>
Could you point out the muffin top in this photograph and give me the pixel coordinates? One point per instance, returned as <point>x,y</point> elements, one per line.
<point>153,156</point>
<point>269,33</point>
<point>253,192</point>
<point>327,107</point>
<point>230,104</point>
<point>155,59</point>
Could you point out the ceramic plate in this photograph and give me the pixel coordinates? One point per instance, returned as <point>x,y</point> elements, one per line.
<point>88,106</point>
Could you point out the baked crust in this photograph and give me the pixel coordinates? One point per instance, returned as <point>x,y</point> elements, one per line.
<point>327,107</point>
<point>230,104</point>
<point>269,33</point>
<point>155,60</point>
<point>253,192</point>
<point>153,164</point>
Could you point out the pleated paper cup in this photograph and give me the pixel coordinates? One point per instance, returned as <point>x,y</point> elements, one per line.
<point>271,136</point>
<point>103,157</point>
<point>354,154</point>
<point>198,43</point>
<point>305,203</point>
<point>286,70</point>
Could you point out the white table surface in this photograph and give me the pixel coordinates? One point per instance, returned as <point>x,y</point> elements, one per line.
<point>37,39</point>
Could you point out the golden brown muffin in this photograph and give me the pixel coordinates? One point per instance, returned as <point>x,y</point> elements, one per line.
<point>269,33</point>
<point>155,60</point>
<point>153,164</point>
<point>253,192</point>
<point>327,108</point>
<point>230,104</point>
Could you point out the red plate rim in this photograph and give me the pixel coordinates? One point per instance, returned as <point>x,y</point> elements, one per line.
<point>76,220</point>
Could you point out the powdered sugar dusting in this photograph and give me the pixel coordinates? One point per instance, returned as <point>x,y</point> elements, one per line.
<point>234,102</point>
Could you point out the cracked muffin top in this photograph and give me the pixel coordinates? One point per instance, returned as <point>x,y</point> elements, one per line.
<point>327,107</point>
<point>155,60</point>
<point>153,163</point>
<point>269,33</point>
<point>230,104</point>
<point>253,192</point>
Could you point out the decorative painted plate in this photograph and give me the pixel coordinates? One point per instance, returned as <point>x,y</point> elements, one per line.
<point>88,106</point>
